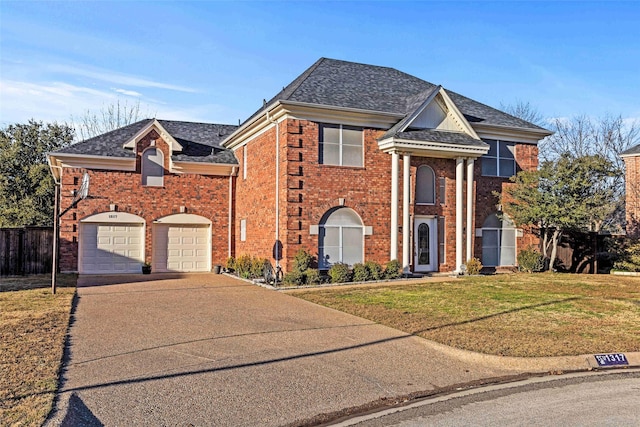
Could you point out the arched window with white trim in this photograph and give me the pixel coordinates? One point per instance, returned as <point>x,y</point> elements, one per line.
<point>153,167</point>
<point>498,241</point>
<point>425,186</point>
<point>341,238</point>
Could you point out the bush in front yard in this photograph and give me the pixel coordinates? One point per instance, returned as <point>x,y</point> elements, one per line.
<point>231,264</point>
<point>257,267</point>
<point>293,278</point>
<point>243,266</point>
<point>393,269</point>
<point>474,266</point>
<point>375,270</point>
<point>530,260</point>
<point>302,261</point>
<point>360,273</point>
<point>628,256</point>
<point>312,276</point>
<point>339,273</point>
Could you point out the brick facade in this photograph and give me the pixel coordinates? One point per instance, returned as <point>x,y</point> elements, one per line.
<point>308,190</point>
<point>632,195</point>
<point>207,196</point>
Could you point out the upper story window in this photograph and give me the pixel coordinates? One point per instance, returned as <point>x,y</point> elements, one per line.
<point>152,167</point>
<point>341,145</point>
<point>425,186</point>
<point>500,160</point>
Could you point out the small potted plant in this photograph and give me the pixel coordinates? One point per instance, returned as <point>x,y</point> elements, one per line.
<point>146,268</point>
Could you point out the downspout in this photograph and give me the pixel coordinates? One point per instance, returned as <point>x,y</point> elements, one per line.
<point>277,234</point>
<point>230,232</point>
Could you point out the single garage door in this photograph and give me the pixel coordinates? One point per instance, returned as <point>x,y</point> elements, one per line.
<point>182,247</point>
<point>111,248</point>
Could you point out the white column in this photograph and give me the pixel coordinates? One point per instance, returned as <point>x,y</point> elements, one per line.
<point>470,234</point>
<point>406,163</point>
<point>394,205</point>
<point>459,220</point>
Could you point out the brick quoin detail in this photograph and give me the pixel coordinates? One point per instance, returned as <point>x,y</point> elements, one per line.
<point>207,196</point>
<point>632,195</point>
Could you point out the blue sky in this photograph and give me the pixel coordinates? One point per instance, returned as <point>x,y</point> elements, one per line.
<point>216,61</point>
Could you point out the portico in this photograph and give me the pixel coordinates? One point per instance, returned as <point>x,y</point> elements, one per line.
<point>436,130</point>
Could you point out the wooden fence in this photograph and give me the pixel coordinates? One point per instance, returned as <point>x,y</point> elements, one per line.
<point>584,253</point>
<point>27,250</point>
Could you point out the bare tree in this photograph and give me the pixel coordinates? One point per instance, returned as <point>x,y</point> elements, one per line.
<point>110,117</point>
<point>605,137</point>
<point>525,111</point>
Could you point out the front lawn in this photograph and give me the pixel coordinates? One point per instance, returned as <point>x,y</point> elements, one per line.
<point>509,315</point>
<point>33,325</point>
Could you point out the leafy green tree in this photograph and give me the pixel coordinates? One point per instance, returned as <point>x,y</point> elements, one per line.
<point>26,185</point>
<point>569,193</point>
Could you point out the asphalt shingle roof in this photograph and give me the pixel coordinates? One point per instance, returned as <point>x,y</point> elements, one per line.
<point>200,142</point>
<point>370,87</point>
<point>455,138</point>
<point>631,151</point>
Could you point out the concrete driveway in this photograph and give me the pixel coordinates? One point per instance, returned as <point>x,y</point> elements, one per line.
<point>204,349</point>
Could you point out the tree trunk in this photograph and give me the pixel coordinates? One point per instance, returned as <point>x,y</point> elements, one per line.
<point>555,239</point>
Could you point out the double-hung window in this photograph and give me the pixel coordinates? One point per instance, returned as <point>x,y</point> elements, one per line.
<point>341,145</point>
<point>500,160</point>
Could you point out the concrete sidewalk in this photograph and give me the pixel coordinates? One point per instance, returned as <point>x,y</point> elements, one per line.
<point>206,349</point>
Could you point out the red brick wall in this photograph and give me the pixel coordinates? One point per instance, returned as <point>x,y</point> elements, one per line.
<point>201,195</point>
<point>526,159</point>
<point>632,194</point>
<point>309,189</point>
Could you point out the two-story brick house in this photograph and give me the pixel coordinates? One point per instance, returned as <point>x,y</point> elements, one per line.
<point>351,162</point>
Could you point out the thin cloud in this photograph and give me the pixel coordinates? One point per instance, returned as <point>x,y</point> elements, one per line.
<point>128,92</point>
<point>117,78</point>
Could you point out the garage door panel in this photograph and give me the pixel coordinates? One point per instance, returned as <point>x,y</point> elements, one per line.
<point>179,247</point>
<point>109,248</point>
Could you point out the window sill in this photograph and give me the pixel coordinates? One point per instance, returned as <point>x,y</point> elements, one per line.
<point>342,167</point>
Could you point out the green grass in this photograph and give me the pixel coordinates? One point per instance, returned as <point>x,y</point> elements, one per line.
<point>510,315</point>
<point>33,325</point>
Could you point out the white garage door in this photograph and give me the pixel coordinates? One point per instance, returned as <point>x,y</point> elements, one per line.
<point>111,248</point>
<point>181,247</point>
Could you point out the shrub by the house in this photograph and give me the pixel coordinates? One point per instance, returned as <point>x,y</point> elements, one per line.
<point>312,276</point>
<point>530,260</point>
<point>360,273</point>
<point>375,270</point>
<point>474,266</point>
<point>393,269</point>
<point>340,273</point>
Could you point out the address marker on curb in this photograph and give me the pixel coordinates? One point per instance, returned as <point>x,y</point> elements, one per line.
<point>611,359</point>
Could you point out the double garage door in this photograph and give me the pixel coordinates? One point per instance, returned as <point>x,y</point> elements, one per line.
<point>118,247</point>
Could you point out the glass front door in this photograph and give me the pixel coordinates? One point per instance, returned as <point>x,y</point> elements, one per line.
<point>425,237</point>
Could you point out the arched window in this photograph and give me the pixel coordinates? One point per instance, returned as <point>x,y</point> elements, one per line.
<point>498,241</point>
<point>341,238</point>
<point>425,186</point>
<point>152,168</point>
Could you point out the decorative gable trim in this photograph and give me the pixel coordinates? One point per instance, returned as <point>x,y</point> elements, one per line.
<point>450,110</point>
<point>174,145</point>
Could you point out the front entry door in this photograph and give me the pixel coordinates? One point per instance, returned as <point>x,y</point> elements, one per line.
<point>425,236</point>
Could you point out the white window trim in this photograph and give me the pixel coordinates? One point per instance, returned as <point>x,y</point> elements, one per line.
<point>142,166</point>
<point>340,145</point>
<point>498,158</point>
<point>243,230</point>
<point>433,173</point>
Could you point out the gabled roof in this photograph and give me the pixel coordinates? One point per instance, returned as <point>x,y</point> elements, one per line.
<point>633,151</point>
<point>200,142</point>
<point>345,84</point>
